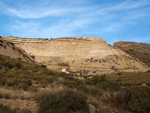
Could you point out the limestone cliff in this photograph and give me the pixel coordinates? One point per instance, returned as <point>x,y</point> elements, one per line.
<point>82,55</point>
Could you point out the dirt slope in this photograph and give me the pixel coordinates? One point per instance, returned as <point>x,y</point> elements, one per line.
<point>139,51</point>
<point>9,49</point>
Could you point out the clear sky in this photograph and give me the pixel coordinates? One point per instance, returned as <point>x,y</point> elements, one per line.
<point>112,20</point>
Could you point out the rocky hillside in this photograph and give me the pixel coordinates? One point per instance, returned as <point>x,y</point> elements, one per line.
<point>9,49</point>
<point>139,51</point>
<point>80,55</point>
<point>29,88</point>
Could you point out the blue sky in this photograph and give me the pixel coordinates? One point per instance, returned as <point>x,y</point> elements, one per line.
<point>112,20</point>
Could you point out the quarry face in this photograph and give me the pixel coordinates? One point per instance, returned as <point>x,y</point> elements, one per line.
<point>80,55</point>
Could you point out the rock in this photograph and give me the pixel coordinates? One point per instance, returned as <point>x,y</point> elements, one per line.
<point>92,108</point>
<point>64,70</point>
<point>144,85</point>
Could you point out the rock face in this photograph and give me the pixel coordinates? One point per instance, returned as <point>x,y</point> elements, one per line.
<point>9,49</point>
<point>82,55</point>
<point>140,51</point>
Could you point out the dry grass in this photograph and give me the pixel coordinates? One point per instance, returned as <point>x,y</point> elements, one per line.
<point>15,94</point>
<point>25,95</point>
<point>50,89</point>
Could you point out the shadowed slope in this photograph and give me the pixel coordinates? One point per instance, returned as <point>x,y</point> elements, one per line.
<point>9,49</point>
<point>140,51</point>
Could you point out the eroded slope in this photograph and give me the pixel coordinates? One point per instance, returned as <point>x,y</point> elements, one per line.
<point>9,49</point>
<point>140,51</point>
<point>82,55</point>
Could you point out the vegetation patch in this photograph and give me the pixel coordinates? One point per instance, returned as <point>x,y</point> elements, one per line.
<point>102,82</point>
<point>65,101</point>
<point>135,99</point>
<point>22,80</point>
<point>4,109</point>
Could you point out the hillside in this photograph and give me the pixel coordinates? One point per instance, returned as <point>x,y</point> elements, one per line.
<point>139,51</point>
<point>79,55</point>
<point>9,49</point>
<point>27,87</point>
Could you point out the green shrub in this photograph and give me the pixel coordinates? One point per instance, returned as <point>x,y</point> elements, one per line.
<point>27,82</point>
<point>52,79</point>
<point>95,92</point>
<point>140,100</point>
<point>65,101</point>
<point>109,85</point>
<point>96,80</point>
<point>135,99</point>
<point>102,82</point>
<point>72,83</point>
<point>10,82</point>
<point>63,64</point>
<point>5,110</point>
<point>82,88</point>
<point>50,72</point>
<point>43,66</point>
<point>18,65</point>
<point>24,86</point>
<point>62,74</point>
<point>3,81</point>
<point>9,65</point>
<point>127,84</point>
<point>120,99</point>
